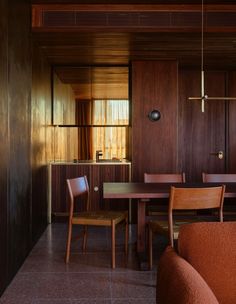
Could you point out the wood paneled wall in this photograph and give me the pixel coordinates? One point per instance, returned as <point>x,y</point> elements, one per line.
<point>184,139</point>
<point>27,139</point>
<point>19,166</point>
<point>231,114</point>
<point>15,180</point>
<point>201,134</point>
<point>42,148</point>
<point>154,144</point>
<point>4,146</point>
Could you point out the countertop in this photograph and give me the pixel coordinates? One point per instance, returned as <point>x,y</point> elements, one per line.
<point>91,162</point>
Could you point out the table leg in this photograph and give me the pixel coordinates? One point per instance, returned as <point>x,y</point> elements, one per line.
<point>141,235</point>
<point>141,223</point>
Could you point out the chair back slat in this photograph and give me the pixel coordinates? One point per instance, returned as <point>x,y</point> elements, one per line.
<point>218,177</point>
<point>196,198</point>
<point>164,177</point>
<point>78,186</point>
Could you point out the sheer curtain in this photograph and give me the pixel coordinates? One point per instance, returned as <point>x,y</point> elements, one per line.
<point>111,140</point>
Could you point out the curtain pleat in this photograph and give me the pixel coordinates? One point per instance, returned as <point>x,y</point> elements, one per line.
<point>111,140</point>
<point>85,140</point>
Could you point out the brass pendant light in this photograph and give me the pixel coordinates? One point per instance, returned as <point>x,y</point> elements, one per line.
<point>204,97</point>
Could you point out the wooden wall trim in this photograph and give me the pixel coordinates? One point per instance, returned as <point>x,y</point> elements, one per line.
<point>158,18</point>
<point>136,7</point>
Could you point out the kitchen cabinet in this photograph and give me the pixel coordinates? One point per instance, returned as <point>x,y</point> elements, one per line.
<point>97,173</point>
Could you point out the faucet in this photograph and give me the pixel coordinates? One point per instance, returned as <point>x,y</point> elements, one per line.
<point>98,154</point>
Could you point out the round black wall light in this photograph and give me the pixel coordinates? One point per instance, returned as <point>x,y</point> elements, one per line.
<point>154,115</point>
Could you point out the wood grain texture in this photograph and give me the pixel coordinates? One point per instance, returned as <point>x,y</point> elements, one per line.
<point>19,167</point>
<point>41,140</point>
<point>15,84</point>
<point>154,144</point>
<point>231,114</point>
<point>4,147</point>
<point>119,34</point>
<point>161,18</point>
<point>200,134</point>
<point>96,175</point>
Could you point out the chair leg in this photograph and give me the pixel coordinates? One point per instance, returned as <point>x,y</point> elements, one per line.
<point>68,243</point>
<point>85,237</point>
<point>150,245</point>
<point>113,244</point>
<point>126,235</point>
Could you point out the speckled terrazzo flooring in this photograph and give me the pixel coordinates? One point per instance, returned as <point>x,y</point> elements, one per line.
<point>44,277</point>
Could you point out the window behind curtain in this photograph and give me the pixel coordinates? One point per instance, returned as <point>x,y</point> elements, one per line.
<point>111,140</point>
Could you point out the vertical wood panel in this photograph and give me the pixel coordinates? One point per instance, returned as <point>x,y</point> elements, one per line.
<point>41,139</point>
<point>4,146</point>
<point>201,133</point>
<point>232,124</point>
<point>19,92</point>
<point>154,148</point>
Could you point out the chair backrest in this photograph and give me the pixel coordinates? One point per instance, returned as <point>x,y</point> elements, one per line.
<point>195,199</point>
<point>164,178</point>
<point>78,186</point>
<point>218,177</point>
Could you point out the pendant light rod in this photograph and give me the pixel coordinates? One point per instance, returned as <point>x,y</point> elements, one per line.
<point>204,97</point>
<point>202,48</point>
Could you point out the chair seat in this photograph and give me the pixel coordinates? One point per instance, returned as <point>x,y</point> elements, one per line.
<point>102,218</point>
<point>162,226</point>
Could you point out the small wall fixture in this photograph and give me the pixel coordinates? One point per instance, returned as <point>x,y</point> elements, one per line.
<point>154,115</point>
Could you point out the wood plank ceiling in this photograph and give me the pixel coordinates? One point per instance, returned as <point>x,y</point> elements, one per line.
<point>116,34</point>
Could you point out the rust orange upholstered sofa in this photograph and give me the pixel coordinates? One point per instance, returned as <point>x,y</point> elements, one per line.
<point>204,269</point>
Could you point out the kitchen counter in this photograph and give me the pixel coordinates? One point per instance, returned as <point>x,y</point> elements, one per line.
<point>105,170</point>
<point>91,162</point>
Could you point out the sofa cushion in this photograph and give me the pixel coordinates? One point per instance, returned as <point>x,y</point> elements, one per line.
<point>179,283</point>
<point>211,249</point>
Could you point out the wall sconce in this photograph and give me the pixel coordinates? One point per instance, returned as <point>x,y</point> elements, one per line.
<point>154,115</point>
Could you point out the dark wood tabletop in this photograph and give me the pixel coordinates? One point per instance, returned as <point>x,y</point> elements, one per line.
<point>155,190</point>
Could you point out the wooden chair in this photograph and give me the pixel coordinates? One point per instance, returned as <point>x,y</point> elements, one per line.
<point>186,199</point>
<point>229,203</point>
<point>79,187</point>
<point>218,177</point>
<point>164,178</point>
<point>159,208</point>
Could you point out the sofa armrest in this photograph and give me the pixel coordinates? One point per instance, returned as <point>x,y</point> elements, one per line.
<point>178,282</point>
<point>211,249</point>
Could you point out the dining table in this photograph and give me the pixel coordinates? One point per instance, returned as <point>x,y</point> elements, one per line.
<point>140,192</point>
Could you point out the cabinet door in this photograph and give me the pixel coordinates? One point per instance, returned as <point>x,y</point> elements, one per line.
<point>97,175</point>
<point>59,191</point>
<point>108,173</point>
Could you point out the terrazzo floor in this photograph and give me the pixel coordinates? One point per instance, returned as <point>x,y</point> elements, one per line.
<point>44,277</point>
